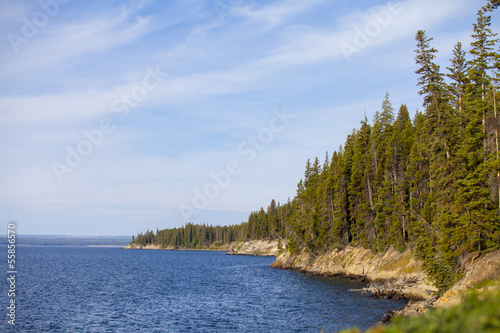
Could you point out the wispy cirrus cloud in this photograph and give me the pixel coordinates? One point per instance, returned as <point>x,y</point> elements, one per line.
<point>224,78</point>
<point>60,45</point>
<point>276,14</point>
<point>303,47</point>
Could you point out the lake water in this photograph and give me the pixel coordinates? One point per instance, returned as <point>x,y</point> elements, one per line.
<point>80,289</point>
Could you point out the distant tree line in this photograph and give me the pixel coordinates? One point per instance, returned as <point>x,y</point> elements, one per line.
<point>192,236</point>
<point>431,182</point>
<point>262,224</point>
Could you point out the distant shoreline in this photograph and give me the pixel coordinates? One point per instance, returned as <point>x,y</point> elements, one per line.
<point>66,240</point>
<point>267,248</point>
<point>172,249</point>
<point>65,245</point>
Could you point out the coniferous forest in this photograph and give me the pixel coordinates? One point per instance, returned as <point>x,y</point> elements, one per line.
<point>430,181</point>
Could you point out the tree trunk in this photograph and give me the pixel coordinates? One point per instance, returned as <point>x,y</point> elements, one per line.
<point>483,98</point>
<point>460,103</point>
<point>333,211</point>
<point>496,137</point>
<point>370,195</point>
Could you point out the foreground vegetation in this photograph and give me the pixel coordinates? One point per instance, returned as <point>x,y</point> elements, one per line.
<point>431,182</point>
<point>479,312</point>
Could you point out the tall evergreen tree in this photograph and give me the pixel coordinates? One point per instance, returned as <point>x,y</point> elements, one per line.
<point>361,189</point>
<point>430,78</point>
<point>483,59</point>
<point>458,75</point>
<point>400,147</point>
<point>382,183</point>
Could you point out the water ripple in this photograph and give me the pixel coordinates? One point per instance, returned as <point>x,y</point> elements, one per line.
<point>68,289</point>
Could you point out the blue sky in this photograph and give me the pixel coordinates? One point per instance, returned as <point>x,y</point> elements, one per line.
<point>119,116</point>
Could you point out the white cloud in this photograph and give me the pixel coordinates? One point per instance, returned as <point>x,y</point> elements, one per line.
<point>276,14</point>
<point>307,46</point>
<point>311,46</point>
<point>71,107</point>
<point>56,47</point>
<point>154,159</point>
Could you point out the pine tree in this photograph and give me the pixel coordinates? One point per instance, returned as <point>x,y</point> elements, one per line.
<point>439,129</point>
<point>382,183</point>
<point>326,205</point>
<point>361,190</point>
<point>400,147</point>
<point>479,142</point>
<point>272,219</point>
<point>431,79</point>
<point>458,75</point>
<point>343,170</point>
<point>492,5</point>
<point>483,59</point>
<point>418,177</point>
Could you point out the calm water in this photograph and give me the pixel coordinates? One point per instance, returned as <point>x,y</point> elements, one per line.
<point>71,289</point>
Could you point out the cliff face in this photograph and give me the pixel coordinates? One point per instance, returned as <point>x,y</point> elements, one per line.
<point>255,247</point>
<point>476,269</point>
<point>396,274</point>
<point>399,271</point>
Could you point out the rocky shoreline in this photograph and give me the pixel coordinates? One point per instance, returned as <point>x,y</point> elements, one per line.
<point>254,248</point>
<point>398,274</point>
<point>394,274</point>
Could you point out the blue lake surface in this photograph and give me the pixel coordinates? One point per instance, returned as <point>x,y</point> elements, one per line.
<point>82,289</point>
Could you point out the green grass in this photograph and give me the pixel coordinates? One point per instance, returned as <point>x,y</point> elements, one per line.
<point>478,313</point>
<point>394,265</point>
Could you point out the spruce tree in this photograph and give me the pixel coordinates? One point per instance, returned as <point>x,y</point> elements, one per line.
<point>458,75</point>
<point>430,78</point>
<point>400,147</point>
<point>479,143</point>
<point>382,183</point>
<point>361,190</point>
<point>482,51</point>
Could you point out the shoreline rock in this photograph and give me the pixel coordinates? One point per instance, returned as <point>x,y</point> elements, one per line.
<point>398,274</point>
<point>394,275</point>
<point>256,248</point>
<point>147,247</point>
<point>251,248</point>
<point>476,269</point>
